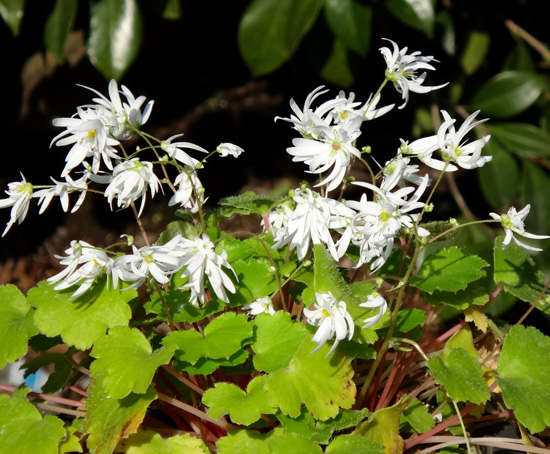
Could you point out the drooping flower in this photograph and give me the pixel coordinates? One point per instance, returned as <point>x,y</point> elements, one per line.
<point>332,150</point>
<point>62,189</point>
<point>402,70</point>
<point>375,300</point>
<point>332,318</point>
<point>200,260</point>
<point>20,194</point>
<point>226,149</point>
<point>190,192</point>
<point>83,264</point>
<point>512,221</point>
<point>158,262</point>
<point>121,118</point>
<point>130,181</point>
<point>310,222</point>
<point>87,133</point>
<point>175,150</point>
<point>260,306</point>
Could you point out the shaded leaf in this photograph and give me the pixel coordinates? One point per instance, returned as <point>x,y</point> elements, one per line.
<point>416,415</point>
<point>248,203</point>
<point>12,13</point>
<point>350,21</point>
<point>523,139</point>
<point>59,24</point>
<point>271,30</point>
<point>418,14</point>
<point>56,379</point>
<point>336,68</point>
<point>508,93</point>
<point>475,51</point>
<point>524,376</point>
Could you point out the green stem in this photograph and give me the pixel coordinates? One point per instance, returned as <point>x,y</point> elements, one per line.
<point>468,447</point>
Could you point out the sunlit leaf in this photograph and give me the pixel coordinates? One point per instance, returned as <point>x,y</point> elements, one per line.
<point>417,416</point>
<point>149,442</point>
<point>243,442</point>
<point>354,444</point>
<point>115,36</point>
<point>16,327</point>
<point>125,361</point>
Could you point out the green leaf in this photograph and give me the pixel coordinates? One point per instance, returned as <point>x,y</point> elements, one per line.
<point>16,324</point>
<point>180,308</point>
<point>516,270</point>
<point>322,383</point>
<point>256,279</point>
<point>22,428</point>
<point>354,444</point>
<point>71,443</point>
<point>205,366</point>
<point>475,52</point>
<point>536,184</point>
<point>417,14</point>
<point>350,21</point>
<point>461,376</point>
<point>243,442</point>
<point>125,361</point>
<point>82,320</point>
<point>473,294</point>
<point>149,442</point>
<point>383,427</point>
<point>289,442</point>
<point>110,420</point>
<point>523,139</point>
<point>524,376</point>
<point>276,340</point>
<point>271,30</point>
<point>248,203</point>
<point>242,407</point>
<point>337,69</point>
<point>221,338</point>
<point>320,431</point>
<point>12,13</point>
<point>59,24</point>
<point>416,415</point>
<point>508,93</point>
<point>449,270</point>
<point>115,36</point>
<point>499,180</point>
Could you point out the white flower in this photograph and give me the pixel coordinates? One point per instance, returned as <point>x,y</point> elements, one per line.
<point>62,189</point>
<point>374,301</point>
<point>121,118</point>
<point>201,260</point>
<point>333,150</point>
<point>308,223</point>
<point>397,172</point>
<point>174,150</point>
<point>452,144</point>
<point>160,262</point>
<point>130,182</point>
<point>226,149</point>
<point>402,68</point>
<point>260,306</point>
<point>332,318</point>
<point>512,221</point>
<point>86,132</point>
<point>20,194</point>
<point>83,263</point>
<point>189,187</point>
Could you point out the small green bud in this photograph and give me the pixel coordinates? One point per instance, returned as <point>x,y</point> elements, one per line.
<point>424,240</point>
<point>304,185</point>
<point>453,222</point>
<point>379,281</point>
<point>351,178</point>
<point>429,208</point>
<point>198,165</point>
<point>291,193</point>
<point>366,149</point>
<point>307,263</point>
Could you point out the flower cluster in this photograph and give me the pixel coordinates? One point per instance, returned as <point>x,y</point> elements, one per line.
<point>195,258</point>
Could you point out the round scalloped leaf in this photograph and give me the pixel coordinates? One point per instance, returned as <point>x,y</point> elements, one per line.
<point>461,376</point>
<point>354,444</point>
<point>283,443</point>
<point>243,442</point>
<point>16,325</point>
<point>110,420</point>
<point>323,384</point>
<point>242,407</point>
<point>276,340</point>
<point>149,442</point>
<point>255,280</point>
<point>221,338</point>
<point>22,428</point>
<point>524,376</point>
<point>125,361</point>
<point>82,320</point>
<point>449,270</point>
